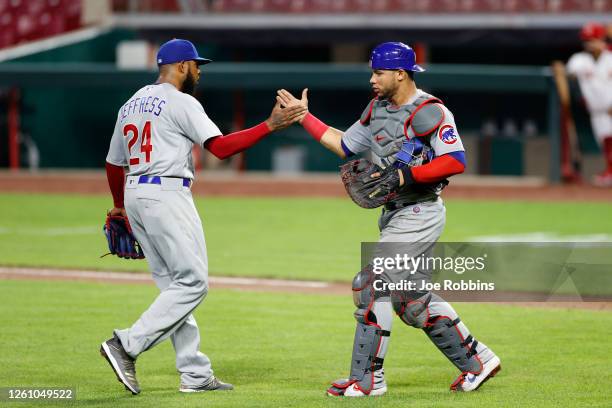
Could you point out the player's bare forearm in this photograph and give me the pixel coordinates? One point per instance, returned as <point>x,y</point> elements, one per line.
<point>332,140</point>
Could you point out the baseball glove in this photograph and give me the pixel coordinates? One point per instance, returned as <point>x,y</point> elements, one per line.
<point>367,191</point>
<point>121,240</point>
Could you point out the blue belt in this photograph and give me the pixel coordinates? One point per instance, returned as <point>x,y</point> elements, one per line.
<point>157,180</point>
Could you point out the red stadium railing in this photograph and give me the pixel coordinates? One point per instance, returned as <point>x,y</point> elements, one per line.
<point>27,20</point>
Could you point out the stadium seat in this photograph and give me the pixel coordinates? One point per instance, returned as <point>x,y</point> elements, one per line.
<point>572,5</point>
<point>481,6</point>
<point>148,6</point>
<point>237,6</point>
<point>277,6</point>
<point>163,6</point>
<point>7,29</point>
<point>366,6</point>
<point>407,6</point>
<point>524,6</point>
<point>28,20</point>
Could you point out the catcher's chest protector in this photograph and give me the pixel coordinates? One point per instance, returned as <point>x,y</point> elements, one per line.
<point>391,125</point>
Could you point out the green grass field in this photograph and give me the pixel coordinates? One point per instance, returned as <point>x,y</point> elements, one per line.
<point>282,350</point>
<point>294,238</point>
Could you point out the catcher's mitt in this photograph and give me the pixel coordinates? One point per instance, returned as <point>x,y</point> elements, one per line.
<point>121,240</point>
<point>367,191</point>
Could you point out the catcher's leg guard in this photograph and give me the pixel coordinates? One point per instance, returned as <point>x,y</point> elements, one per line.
<point>445,329</point>
<point>368,350</point>
<point>443,332</point>
<point>476,361</point>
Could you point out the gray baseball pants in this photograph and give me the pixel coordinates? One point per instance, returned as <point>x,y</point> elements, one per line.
<point>167,225</point>
<point>420,225</point>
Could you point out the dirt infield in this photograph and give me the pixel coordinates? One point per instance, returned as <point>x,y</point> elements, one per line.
<point>285,286</point>
<point>318,185</point>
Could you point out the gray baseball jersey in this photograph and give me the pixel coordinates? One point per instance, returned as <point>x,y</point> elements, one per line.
<point>155,131</point>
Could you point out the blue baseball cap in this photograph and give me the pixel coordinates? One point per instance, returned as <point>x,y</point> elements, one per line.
<point>179,50</point>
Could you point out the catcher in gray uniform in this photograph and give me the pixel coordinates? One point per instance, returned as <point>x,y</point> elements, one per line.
<point>414,147</point>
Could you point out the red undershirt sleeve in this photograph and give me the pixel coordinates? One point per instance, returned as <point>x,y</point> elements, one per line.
<point>314,126</point>
<point>116,180</point>
<point>438,169</point>
<point>225,146</point>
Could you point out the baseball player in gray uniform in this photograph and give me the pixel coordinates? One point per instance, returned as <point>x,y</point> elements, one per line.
<point>153,137</point>
<point>404,125</point>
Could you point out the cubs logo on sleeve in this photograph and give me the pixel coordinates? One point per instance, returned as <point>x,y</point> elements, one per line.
<point>448,134</point>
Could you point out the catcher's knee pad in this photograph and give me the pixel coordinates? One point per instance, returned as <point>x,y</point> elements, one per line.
<point>364,294</point>
<point>445,334</point>
<point>412,307</point>
<point>363,291</point>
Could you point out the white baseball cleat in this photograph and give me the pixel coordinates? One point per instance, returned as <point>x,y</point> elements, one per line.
<point>350,388</point>
<point>471,382</point>
<point>354,391</point>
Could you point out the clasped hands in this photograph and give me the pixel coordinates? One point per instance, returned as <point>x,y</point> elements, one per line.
<point>287,110</point>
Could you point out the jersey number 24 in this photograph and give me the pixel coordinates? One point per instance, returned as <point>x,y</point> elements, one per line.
<point>145,145</point>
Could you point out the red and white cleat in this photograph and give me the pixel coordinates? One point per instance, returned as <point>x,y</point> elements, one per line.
<point>470,382</point>
<point>354,391</point>
<point>351,388</point>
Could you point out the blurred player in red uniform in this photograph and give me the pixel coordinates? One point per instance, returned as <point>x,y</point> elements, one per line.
<point>593,69</point>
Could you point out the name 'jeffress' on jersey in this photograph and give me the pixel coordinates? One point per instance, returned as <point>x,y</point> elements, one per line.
<point>149,104</point>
